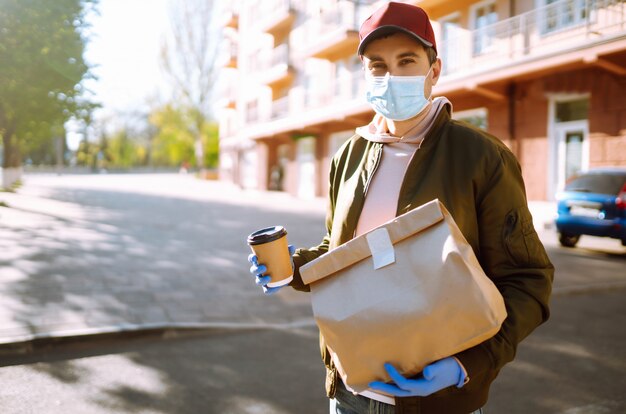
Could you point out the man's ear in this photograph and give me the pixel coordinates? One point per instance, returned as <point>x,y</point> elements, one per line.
<point>436,71</point>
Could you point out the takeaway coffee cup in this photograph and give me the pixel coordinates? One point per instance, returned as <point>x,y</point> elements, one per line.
<point>270,246</point>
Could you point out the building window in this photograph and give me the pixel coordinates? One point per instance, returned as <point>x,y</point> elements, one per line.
<point>337,139</point>
<point>452,42</point>
<point>280,105</point>
<point>575,110</point>
<point>347,77</point>
<point>252,111</point>
<point>309,98</point>
<point>484,16</point>
<point>305,159</point>
<point>476,117</point>
<point>249,162</point>
<point>562,14</point>
<point>341,74</point>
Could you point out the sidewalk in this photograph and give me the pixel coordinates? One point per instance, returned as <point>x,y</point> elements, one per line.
<point>544,213</point>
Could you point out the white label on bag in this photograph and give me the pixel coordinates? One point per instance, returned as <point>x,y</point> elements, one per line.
<point>381,247</point>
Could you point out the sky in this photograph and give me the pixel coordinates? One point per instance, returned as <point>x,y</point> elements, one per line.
<point>124,48</point>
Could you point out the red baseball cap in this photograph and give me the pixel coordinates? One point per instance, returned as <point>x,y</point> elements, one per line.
<point>397,17</point>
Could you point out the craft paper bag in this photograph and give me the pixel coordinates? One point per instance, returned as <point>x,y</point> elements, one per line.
<point>410,295</point>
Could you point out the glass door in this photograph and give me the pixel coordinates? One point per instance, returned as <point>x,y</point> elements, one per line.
<point>568,139</point>
<point>573,150</point>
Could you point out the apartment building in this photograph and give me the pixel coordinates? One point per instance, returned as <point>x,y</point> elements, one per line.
<point>548,77</point>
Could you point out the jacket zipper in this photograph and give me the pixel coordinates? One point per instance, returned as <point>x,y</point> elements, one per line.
<point>367,184</point>
<point>369,178</point>
<point>405,174</point>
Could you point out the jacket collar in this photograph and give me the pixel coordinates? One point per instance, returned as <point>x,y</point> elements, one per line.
<point>377,130</point>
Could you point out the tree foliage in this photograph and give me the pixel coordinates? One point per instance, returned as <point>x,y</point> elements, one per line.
<point>41,55</point>
<point>168,141</point>
<point>175,139</point>
<point>124,152</point>
<point>122,149</point>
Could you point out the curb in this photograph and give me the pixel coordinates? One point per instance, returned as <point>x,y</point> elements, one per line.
<point>588,288</point>
<point>28,344</point>
<point>25,345</point>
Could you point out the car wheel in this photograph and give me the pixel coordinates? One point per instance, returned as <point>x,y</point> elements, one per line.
<point>568,240</point>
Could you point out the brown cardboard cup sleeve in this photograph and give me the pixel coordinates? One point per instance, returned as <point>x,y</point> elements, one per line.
<point>409,292</point>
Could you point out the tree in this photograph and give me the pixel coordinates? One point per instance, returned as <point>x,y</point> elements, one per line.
<point>123,151</point>
<point>189,60</point>
<point>41,50</point>
<point>87,154</point>
<point>173,143</point>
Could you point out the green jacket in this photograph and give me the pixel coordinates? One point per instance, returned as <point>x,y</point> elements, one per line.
<point>479,181</point>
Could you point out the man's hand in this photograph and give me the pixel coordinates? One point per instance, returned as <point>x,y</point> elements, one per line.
<point>435,377</point>
<point>259,270</point>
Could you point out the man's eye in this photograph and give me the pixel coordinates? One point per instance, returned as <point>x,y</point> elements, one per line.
<point>407,61</point>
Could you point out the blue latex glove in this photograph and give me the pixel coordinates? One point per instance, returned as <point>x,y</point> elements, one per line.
<point>435,377</point>
<point>258,271</point>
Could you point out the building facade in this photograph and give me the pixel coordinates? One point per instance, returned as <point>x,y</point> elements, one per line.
<point>547,77</point>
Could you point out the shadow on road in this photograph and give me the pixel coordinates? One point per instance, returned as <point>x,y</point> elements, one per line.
<point>123,258</point>
<point>111,258</point>
<point>573,364</point>
<point>260,372</point>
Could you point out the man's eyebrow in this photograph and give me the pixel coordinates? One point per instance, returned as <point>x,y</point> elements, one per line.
<point>374,58</point>
<point>407,54</point>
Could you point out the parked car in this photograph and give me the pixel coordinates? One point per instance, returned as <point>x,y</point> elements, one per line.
<point>592,203</point>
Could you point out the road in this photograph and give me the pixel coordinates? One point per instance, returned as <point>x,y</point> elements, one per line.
<point>98,254</point>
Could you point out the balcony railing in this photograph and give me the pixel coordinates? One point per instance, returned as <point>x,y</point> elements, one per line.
<point>231,19</point>
<point>280,107</point>
<point>280,55</point>
<point>225,93</point>
<point>272,15</point>
<point>555,28</point>
<point>350,86</point>
<point>342,17</point>
<point>277,56</point>
<point>227,53</point>
<point>252,114</point>
<point>267,8</point>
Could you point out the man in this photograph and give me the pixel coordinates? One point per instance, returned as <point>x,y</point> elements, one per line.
<point>410,153</point>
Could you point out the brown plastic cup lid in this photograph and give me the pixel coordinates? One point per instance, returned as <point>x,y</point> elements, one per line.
<point>266,235</point>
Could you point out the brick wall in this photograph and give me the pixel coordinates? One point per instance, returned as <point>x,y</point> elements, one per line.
<point>531,132</point>
<point>607,119</point>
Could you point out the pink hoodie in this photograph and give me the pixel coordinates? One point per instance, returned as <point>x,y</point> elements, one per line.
<point>381,201</point>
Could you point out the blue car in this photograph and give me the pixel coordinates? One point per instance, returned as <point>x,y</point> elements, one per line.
<point>592,203</point>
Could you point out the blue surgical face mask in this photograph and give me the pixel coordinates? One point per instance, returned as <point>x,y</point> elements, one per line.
<point>397,97</point>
